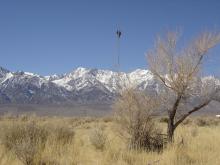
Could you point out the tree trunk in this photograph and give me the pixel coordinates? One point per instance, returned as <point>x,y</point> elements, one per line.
<point>170,130</point>
<point>171,115</point>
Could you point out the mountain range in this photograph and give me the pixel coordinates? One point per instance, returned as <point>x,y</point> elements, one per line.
<point>80,86</point>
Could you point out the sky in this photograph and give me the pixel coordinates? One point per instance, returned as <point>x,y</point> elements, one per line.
<point>57,36</point>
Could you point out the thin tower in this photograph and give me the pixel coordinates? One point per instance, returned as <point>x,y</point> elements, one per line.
<point>118,78</point>
<point>118,35</point>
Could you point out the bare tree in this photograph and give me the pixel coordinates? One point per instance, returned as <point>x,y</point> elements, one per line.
<point>179,71</point>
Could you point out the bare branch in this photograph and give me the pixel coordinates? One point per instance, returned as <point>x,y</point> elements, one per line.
<point>190,112</point>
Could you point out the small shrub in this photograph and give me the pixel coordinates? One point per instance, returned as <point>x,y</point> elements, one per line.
<point>208,121</point>
<point>107,119</point>
<point>136,124</point>
<point>27,117</point>
<point>63,134</point>
<point>98,138</point>
<point>26,141</point>
<point>9,116</point>
<point>163,120</point>
<point>202,122</point>
<point>24,117</point>
<point>187,122</point>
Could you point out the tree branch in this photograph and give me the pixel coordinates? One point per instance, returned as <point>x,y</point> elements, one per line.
<point>175,106</point>
<point>197,65</point>
<point>190,112</point>
<point>163,80</point>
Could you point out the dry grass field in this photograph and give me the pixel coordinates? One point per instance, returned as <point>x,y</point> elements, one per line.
<point>32,140</point>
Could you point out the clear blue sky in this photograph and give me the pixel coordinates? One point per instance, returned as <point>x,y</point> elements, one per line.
<point>56,36</point>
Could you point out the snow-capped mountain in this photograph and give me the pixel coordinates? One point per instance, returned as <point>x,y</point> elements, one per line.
<point>82,85</point>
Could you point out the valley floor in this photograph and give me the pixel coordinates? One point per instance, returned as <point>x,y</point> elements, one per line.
<point>95,141</point>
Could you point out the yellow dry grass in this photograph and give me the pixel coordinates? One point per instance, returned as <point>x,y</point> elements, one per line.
<point>194,145</point>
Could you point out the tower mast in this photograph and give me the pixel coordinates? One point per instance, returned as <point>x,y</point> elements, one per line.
<point>118,78</point>
<point>118,35</point>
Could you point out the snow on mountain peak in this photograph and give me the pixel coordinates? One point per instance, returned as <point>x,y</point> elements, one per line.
<point>31,74</point>
<point>211,79</point>
<point>82,77</point>
<point>82,84</point>
<point>7,76</point>
<point>79,72</point>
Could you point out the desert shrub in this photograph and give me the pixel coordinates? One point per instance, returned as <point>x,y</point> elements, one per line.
<point>207,121</point>
<point>136,123</point>
<point>9,116</point>
<point>215,122</point>
<point>73,121</point>
<point>98,138</point>
<point>27,117</point>
<point>24,117</point>
<point>202,122</point>
<point>163,120</point>
<point>187,121</point>
<point>107,119</point>
<point>26,141</point>
<point>80,122</point>
<point>62,134</point>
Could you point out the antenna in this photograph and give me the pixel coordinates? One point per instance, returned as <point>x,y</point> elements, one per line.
<point>118,35</point>
<point>118,78</point>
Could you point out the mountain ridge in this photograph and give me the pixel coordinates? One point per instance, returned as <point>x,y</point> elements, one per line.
<point>81,85</point>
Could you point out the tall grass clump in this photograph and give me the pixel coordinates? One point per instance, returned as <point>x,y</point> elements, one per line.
<point>98,138</point>
<point>61,134</point>
<point>25,140</point>
<point>207,121</point>
<point>136,123</point>
<point>64,135</point>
